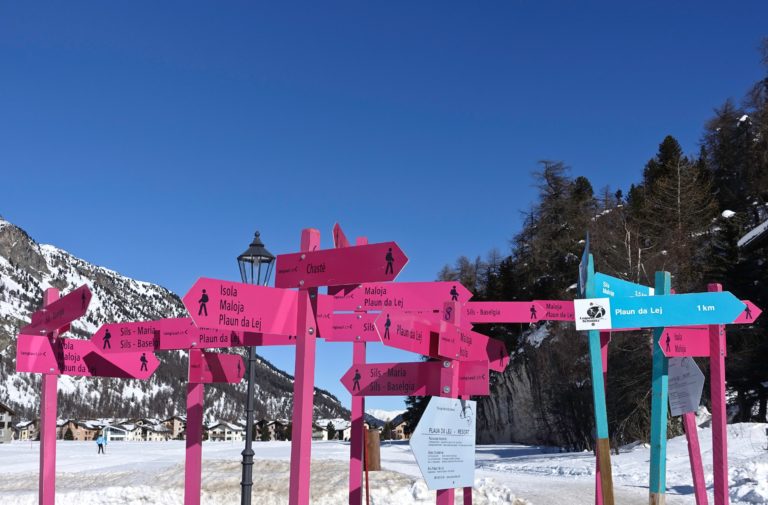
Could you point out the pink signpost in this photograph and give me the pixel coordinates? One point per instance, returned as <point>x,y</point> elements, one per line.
<point>48,408</point>
<point>334,267</point>
<point>304,382</point>
<point>52,356</point>
<point>717,397</point>
<point>204,368</point>
<point>59,313</point>
<point>680,342</point>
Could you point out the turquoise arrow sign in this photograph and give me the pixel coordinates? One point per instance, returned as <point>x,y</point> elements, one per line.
<point>605,285</point>
<point>657,311</point>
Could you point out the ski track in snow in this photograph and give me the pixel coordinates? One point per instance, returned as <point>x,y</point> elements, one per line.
<point>133,473</point>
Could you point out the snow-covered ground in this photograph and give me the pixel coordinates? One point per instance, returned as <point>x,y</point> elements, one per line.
<point>145,472</point>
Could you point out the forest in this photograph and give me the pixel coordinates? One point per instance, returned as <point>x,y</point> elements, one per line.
<point>688,214</point>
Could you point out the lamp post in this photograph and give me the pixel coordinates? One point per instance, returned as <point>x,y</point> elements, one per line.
<point>255,268</point>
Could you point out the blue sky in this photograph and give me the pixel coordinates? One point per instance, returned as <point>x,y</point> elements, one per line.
<point>154,138</point>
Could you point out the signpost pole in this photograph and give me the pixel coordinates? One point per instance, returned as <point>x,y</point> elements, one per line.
<point>694,454</point>
<point>194,453</point>
<point>449,387</point>
<point>605,338</point>
<point>303,386</point>
<point>603,445</point>
<point>48,406</point>
<point>467,490</point>
<point>719,421</point>
<point>659,398</point>
<point>357,434</point>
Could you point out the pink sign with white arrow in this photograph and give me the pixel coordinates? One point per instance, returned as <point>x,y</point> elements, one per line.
<point>467,345</point>
<point>350,328</point>
<point>334,267</point>
<point>210,367</point>
<point>413,379</point>
<point>235,306</point>
<point>80,358</point>
<point>60,313</point>
<point>127,337</point>
<point>402,296</point>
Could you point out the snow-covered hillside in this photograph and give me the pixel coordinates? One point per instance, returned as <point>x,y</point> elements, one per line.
<point>27,268</point>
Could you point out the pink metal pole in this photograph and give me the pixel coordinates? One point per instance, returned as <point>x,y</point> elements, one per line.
<point>193,467</point>
<point>694,454</point>
<point>48,406</point>
<point>304,385</point>
<point>719,420</point>
<point>447,496</point>
<point>357,435</point>
<point>605,338</point>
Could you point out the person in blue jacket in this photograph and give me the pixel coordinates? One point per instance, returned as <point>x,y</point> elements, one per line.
<point>101,441</point>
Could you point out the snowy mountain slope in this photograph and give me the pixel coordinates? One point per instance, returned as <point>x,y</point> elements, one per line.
<point>27,268</point>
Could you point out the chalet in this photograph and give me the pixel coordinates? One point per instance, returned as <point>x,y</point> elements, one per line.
<point>27,430</point>
<point>6,427</point>
<point>318,432</point>
<point>226,432</point>
<point>115,433</point>
<point>400,430</point>
<point>79,431</point>
<point>177,425</point>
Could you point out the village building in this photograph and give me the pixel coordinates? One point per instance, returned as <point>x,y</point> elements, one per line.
<point>27,430</point>
<point>6,426</point>
<point>400,431</point>
<point>80,431</point>
<point>226,432</point>
<point>177,425</point>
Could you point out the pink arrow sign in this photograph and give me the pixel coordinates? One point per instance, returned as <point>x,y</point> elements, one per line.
<point>181,333</point>
<point>351,328</point>
<point>80,358</point>
<point>235,306</point>
<point>402,296</point>
<point>412,379</point>
<point>556,310</point>
<point>210,367</point>
<point>60,313</point>
<point>751,312</point>
<point>466,345</point>
<point>409,332</point>
<point>334,267</point>
<point>683,342</point>
<point>503,312</point>
<point>127,337</point>
<point>34,354</point>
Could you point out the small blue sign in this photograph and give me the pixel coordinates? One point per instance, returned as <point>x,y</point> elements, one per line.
<point>611,287</point>
<point>675,310</point>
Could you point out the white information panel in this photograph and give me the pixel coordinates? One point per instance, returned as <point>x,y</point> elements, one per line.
<point>686,382</point>
<point>444,443</point>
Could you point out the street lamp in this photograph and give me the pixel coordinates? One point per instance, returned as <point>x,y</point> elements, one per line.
<point>255,268</point>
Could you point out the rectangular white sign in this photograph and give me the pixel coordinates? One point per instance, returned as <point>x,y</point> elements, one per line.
<point>592,314</point>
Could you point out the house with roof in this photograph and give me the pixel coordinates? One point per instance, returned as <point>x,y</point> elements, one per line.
<point>6,425</point>
<point>177,426</point>
<point>80,431</point>
<point>400,429</point>
<point>226,432</point>
<point>27,430</point>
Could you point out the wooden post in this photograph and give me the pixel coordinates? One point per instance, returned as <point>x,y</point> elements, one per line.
<point>659,406</point>
<point>605,339</point>
<point>372,450</point>
<point>193,467</point>
<point>602,442</point>
<point>357,433</point>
